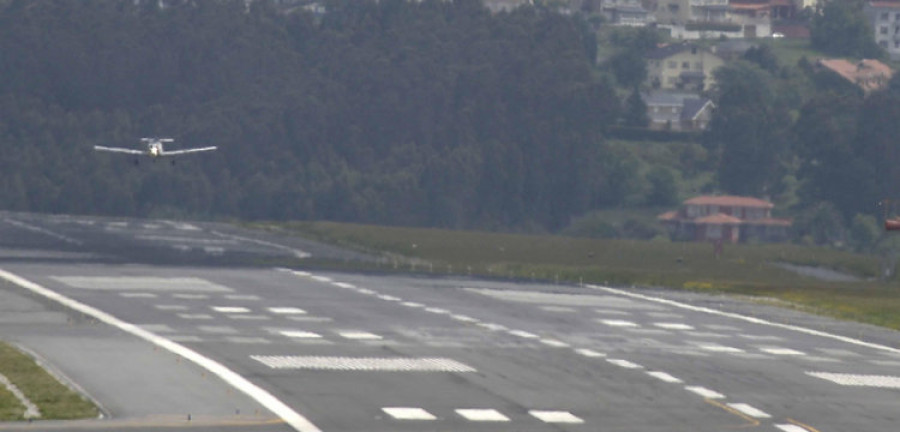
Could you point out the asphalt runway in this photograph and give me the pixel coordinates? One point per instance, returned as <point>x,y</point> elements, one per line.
<point>159,324</point>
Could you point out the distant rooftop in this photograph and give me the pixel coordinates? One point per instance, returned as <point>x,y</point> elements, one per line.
<point>868,74</point>
<point>729,200</point>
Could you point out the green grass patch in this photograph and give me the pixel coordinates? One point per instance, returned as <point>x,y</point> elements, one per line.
<point>55,400</point>
<point>740,269</point>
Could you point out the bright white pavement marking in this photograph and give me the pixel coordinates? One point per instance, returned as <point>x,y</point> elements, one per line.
<point>523,334</point>
<point>663,376</point>
<point>555,416</point>
<point>359,335</point>
<point>720,348</point>
<point>31,410</point>
<point>705,392</point>
<point>493,326</point>
<point>485,415</point>
<point>299,334</point>
<point>749,319</point>
<point>619,323</point>
<point>393,364</point>
<point>589,353</point>
<point>412,304</point>
<point>555,343</point>
<point>230,309</point>
<point>673,326</point>
<point>790,428</point>
<point>881,381</point>
<point>400,413</point>
<point>171,307</point>
<point>263,397</point>
<point>782,351</point>
<point>344,285</point>
<point>287,310</point>
<point>749,410</point>
<point>624,363</point>
<point>463,318</point>
<point>320,278</point>
<point>437,311</point>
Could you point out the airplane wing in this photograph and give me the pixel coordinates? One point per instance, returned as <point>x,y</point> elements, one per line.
<point>186,151</point>
<point>119,150</point>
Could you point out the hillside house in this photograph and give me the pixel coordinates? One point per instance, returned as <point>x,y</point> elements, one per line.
<point>729,219</point>
<point>867,74</point>
<point>682,66</point>
<point>678,112</point>
<point>884,17</point>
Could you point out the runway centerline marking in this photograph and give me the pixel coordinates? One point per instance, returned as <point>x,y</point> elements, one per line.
<point>555,416</point>
<point>260,395</point>
<point>404,413</point>
<point>484,415</point>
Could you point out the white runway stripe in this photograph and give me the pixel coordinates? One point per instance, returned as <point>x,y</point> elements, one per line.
<point>300,334</point>
<point>663,376</point>
<point>624,363</point>
<point>705,392</point>
<point>523,334</point>
<point>879,381</point>
<point>390,364</point>
<point>287,311</point>
<point>589,353</point>
<point>230,309</point>
<point>482,415</point>
<point>749,410</point>
<point>412,304</point>
<point>555,416</point>
<point>618,323</point>
<point>720,348</point>
<point>782,351</point>
<point>361,335</point>
<point>790,428</point>
<point>403,413</point>
<point>673,326</point>
<point>554,343</point>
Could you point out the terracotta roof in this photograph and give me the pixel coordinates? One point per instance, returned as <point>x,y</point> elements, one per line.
<point>729,200</point>
<point>884,4</point>
<point>868,74</point>
<point>667,216</point>
<point>718,218</point>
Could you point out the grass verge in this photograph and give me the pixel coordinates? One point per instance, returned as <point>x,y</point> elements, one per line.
<point>55,400</point>
<point>740,269</point>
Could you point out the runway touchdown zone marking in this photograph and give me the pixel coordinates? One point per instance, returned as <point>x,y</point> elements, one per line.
<point>482,415</point>
<point>555,416</point>
<point>403,413</point>
<point>854,380</point>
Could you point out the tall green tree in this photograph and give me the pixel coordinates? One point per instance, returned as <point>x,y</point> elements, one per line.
<point>839,28</point>
<point>749,130</point>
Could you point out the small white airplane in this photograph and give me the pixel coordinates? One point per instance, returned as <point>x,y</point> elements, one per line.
<point>154,148</point>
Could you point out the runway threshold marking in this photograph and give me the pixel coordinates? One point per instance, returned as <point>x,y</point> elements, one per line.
<point>260,395</point>
<point>745,318</point>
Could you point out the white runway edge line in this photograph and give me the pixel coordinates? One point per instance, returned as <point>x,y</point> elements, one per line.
<point>263,397</point>
<point>750,319</point>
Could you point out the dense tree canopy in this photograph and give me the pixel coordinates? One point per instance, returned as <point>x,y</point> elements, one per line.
<point>423,113</point>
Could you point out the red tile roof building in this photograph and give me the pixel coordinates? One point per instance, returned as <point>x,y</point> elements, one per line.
<point>725,218</point>
<point>868,74</point>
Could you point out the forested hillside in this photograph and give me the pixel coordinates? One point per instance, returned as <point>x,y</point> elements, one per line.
<point>433,113</point>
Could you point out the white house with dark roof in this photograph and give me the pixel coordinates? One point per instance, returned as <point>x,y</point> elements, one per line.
<point>678,111</point>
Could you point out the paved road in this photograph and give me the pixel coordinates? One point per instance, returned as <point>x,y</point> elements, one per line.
<point>352,352</point>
